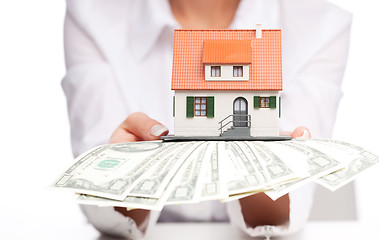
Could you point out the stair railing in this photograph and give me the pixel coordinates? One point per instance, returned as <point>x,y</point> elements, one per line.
<point>223,124</point>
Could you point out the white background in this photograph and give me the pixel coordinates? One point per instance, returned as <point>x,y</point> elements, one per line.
<point>35,146</point>
<point>34,130</point>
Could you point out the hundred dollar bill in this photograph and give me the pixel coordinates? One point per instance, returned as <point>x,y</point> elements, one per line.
<point>155,180</point>
<point>109,171</point>
<point>358,161</point>
<point>189,178</point>
<point>214,186</point>
<point>318,164</point>
<point>241,174</point>
<point>129,202</point>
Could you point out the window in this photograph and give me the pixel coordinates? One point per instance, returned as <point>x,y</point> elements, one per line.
<point>215,71</point>
<point>200,106</point>
<point>265,102</point>
<point>226,72</point>
<point>237,71</point>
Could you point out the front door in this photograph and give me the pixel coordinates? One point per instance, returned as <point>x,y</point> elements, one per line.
<point>240,112</point>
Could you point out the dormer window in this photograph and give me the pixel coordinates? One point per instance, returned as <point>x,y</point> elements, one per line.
<point>215,71</point>
<point>237,71</point>
<point>227,60</point>
<point>226,72</point>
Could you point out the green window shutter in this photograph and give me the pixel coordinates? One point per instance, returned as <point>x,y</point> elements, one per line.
<point>273,102</point>
<point>257,102</point>
<point>280,107</point>
<point>210,107</point>
<point>173,105</point>
<point>190,107</point>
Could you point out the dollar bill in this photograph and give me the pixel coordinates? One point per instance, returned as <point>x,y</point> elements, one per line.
<point>317,163</point>
<point>157,177</point>
<point>357,160</point>
<point>189,177</point>
<point>241,175</point>
<point>214,186</point>
<point>156,204</point>
<point>129,202</point>
<point>149,175</point>
<point>274,169</point>
<point>238,196</point>
<point>109,171</point>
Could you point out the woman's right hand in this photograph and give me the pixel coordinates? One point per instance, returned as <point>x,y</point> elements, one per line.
<point>138,127</point>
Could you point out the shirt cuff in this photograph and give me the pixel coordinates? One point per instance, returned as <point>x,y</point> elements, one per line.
<point>301,201</point>
<point>110,222</point>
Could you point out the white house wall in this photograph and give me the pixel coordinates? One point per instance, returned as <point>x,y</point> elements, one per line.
<point>227,73</point>
<point>264,121</point>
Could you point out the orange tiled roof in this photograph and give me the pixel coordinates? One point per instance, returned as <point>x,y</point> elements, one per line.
<point>227,51</point>
<point>265,67</point>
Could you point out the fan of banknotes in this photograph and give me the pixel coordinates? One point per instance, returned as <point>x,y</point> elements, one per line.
<point>150,175</point>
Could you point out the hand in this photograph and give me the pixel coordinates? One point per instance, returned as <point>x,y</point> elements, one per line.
<point>138,127</point>
<point>299,132</point>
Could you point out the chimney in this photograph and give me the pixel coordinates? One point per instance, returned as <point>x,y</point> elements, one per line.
<point>258,32</point>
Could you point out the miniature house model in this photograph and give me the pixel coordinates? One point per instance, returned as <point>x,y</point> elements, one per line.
<point>227,82</point>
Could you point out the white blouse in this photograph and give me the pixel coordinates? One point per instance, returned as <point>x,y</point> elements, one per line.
<point>119,60</point>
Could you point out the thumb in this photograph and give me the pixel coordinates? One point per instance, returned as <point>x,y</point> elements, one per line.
<point>301,132</point>
<point>143,127</point>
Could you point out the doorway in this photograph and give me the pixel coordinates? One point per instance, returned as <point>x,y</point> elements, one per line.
<point>240,112</point>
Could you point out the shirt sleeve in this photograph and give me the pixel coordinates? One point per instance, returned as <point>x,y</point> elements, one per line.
<point>95,109</point>
<point>312,93</point>
<point>301,201</point>
<point>94,101</point>
<point>110,222</point>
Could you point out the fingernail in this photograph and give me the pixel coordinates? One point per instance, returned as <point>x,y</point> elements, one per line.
<point>158,130</point>
<point>305,135</point>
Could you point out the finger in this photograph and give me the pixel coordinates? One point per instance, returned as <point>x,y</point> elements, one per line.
<point>120,136</point>
<point>143,127</point>
<point>285,133</point>
<point>301,132</point>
